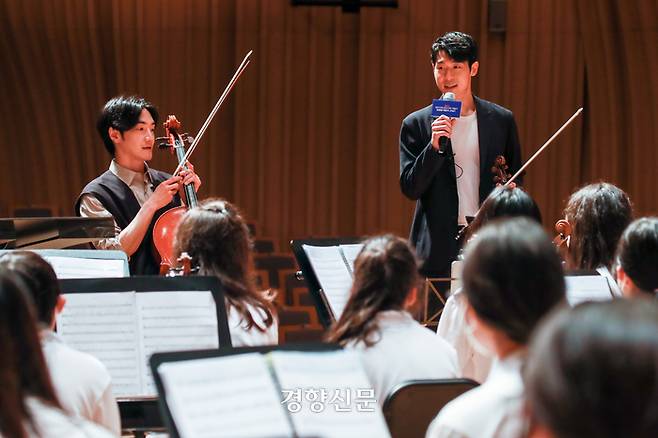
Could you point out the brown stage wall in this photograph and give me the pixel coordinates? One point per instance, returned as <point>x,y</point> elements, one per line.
<point>308,143</point>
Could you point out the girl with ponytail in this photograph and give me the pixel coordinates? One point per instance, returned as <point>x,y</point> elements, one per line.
<point>394,347</point>
<point>217,238</point>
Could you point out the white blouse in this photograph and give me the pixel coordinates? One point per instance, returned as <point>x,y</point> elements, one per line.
<point>493,409</point>
<point>405,350</point>
<point>241,336</point>
<point>51,422</point>
<point>452,328</point>
<point>82,383</point>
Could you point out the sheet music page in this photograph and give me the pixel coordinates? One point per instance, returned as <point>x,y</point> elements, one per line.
<point>174,321</point>
<point>582,288</point>
<point>316,387</point>
<point>334,278</point>
<point>351,251</point>
<point>77,267</point>
<point>105,326</point>
<point>230,396</point>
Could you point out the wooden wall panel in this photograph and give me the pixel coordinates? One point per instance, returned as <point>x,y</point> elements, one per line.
<point>308,142</point>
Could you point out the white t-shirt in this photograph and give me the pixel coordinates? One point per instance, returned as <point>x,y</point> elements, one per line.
<point>493,409</point>
<point>466,147</point>
<point>452,327</point>
<point>54,423</point>
<point>405,351</point>
<point>243,337</point>
<point>82,383</point>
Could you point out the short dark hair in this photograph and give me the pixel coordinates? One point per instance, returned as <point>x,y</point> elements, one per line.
<point>385,271</point>
<point>122,113</point>
<point>505,201</point>
<point>512,276</point>
<point>592,371</point>
<point>40,279</point>
<point>598,213</point>
<point>637,253</point>
<point>458,45</point>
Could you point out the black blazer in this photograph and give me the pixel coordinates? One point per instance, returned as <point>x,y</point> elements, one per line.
<point>429,178</point>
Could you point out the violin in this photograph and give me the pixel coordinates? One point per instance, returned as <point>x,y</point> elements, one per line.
<point>500,176</point>
<point>499,170</point>
<point>165,227</point>
<point>563,237</point>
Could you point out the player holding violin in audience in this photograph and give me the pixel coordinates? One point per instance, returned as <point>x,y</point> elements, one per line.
<point>596,216</point>
<point>130,192</point>
<point>512,278</point>
<point>503,203</point>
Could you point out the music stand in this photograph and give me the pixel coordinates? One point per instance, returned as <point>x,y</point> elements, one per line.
<point>325,314</point>
<point>159,358</point>
<point>140,414</point>
<point>53,232</point>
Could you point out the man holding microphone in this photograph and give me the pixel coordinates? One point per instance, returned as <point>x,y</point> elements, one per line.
<point>445,162</point>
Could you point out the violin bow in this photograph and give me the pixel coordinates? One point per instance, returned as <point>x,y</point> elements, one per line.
<point>243,66</point>
<point>527,163</point>
<point>549,141</point>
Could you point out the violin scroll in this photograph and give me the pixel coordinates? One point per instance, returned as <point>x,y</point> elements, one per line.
<point>500,170</point>
<point>563,229</point>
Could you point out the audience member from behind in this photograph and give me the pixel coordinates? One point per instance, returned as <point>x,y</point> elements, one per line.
<point>82,382</point>
<point>394,347</point>
<point>28,404</point>
<point>512,278</point>
<point>592,371</point>
<point>503,201</point>
<point>637,259</point>
<point>598,214</point>
<point>217,238</point>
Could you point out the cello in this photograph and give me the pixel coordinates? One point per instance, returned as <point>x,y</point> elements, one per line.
<point>165,227</point>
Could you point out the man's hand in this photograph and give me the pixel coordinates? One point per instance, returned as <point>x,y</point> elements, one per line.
<point>164,193</point>
<point>441,127</point>
<point>189,176</point>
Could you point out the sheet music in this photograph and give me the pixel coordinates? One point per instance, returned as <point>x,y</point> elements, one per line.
<point>326,373</point>
<point>582,288</point>
<point>351,251</point>
<point>230,396</point>
<point>77,267</point>
<point>174,321</point>
<point>333,275</point>
<point>105,326</point>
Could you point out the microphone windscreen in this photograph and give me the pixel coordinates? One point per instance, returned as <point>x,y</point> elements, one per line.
<point>448,96</point>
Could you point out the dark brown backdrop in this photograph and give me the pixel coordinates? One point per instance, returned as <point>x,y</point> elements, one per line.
<point>308,142</point>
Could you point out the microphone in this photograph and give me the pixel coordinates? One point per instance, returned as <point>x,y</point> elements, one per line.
<point>447,106</point>
<point>443,141</point>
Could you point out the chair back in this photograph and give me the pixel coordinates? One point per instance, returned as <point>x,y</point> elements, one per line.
<point>411,406</point>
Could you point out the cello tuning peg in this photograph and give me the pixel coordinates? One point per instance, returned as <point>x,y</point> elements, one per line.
<point>162,142</point>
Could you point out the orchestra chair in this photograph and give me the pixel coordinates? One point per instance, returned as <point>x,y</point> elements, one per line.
<point>411,406</point>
